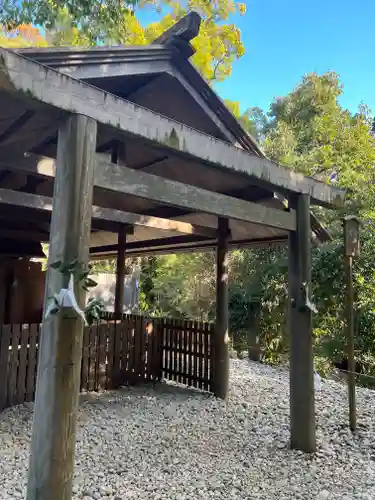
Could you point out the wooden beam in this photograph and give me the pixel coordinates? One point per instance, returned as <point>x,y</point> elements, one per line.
<point>153,187</point>
<point>302,401</point>
<point>42,216</point>
<point>120,275</point>
<point>221,336</point>
<point>172,242</point>
<point>101,214</point>
<point>19,234</point>
<point>14,180</point>
<point>181,244</point>
<point>21,75</point>
<point>149,186</point>
<point>60,348</point>
<point>181,33</point>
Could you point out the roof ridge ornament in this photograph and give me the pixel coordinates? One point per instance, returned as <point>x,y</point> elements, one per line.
<point>181,33</point>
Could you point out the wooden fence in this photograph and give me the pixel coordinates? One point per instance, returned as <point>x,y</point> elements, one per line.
<point>130,350</point>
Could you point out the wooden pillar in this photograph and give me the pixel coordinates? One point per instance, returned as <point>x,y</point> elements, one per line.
<point>253,342</point>
<point>350,347</point>
<point>351,249</point>
<point>302,399</point>
<point>60,348</point>
<point>120,274</point>
<point>221,340</point>
<point>118,156</point>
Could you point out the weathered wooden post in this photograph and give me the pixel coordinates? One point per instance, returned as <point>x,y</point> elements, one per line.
<point>221,338</point>
<point>253,341</point>
<point>60,348</point>
<point>120,274</point>
<point>302,398</point>
<point>118,156</point>
<point>351,249</point>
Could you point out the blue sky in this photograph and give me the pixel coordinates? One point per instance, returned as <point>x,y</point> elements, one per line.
<point>286,39</point>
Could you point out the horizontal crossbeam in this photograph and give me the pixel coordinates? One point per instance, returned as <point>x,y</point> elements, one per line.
<point>152,187</point>
<point>21,75</point>
<point>39,202</point>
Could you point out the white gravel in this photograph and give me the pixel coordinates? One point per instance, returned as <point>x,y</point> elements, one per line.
<point>179,444</point>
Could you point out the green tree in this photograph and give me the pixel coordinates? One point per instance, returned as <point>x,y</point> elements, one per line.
<point>93,18</point>
<point>311,132</point>
<point>79,22</point>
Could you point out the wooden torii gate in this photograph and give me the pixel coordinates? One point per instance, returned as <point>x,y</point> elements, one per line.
<point>82,109</point>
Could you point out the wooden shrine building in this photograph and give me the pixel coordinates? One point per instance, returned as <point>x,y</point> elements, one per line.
<point>115,148</point>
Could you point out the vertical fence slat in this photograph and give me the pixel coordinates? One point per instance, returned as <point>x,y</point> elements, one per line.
<point>132,348</point>
<point>190,352</point>
<point>127,353</point>
<point>5,340</point>
<point>201,358</point>
<point>102,355</point>
<point>117,354</point>
<point>22,363</point>
<point>13,369</point>
<point>136,350</point>
<point>32,362</point>
<point>85,359</point>
<point>140,331</point>
<point>110,356</point>
<point>177,349</point>
<point>151,353</point>
<point>206,356</point>
<point>160,351</point>
<point>92,358</point>
<point>163,351</point>
<point>184,355</point>
<point>169,349</point>
<point>175,323</point>
<point>174,347</point>
<point>195,353</point>
<point>211,356</point>
<point>97,356</point>
<point>181,367</point>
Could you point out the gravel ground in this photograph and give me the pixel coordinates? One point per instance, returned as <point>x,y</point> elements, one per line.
<point>178,444</point>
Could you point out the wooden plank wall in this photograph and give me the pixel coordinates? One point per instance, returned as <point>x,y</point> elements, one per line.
<point>129,350</point>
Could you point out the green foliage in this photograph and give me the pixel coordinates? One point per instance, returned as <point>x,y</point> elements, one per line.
<point>218,44</point>
<point>88,23</point>
<point>94,19</point>
<point>95,307</point>
<point>94,310</point>
<point>81,273</point>
<point>253,120</point>
<point>310,132</point>
<point>181,286</point>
